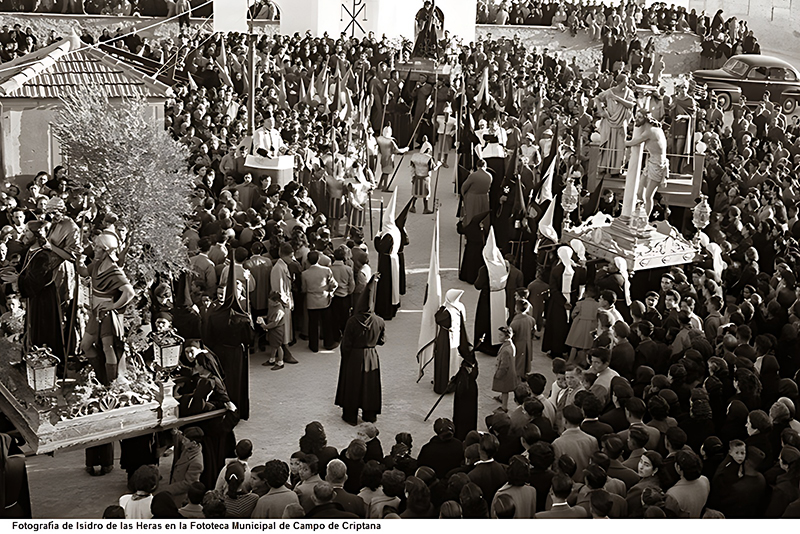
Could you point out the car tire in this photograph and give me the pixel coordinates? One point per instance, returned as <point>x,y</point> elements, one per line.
<point>724,100</point>
<point>789,105</point>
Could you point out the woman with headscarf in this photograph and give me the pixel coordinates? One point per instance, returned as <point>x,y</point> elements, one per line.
<point>491,313</point>
<point>644,375</point>
<point>359,383</point>
<point>163,507</point>
<point>698,426</point>
<point>387,244</point>
<point>734,425</point>
<point>563,289</point>
<point>758,428</point>
<point>769,378</point>
<point>452,342</point>
<point>712,452</point>
<point>315,442</point>
<point>785,490</point>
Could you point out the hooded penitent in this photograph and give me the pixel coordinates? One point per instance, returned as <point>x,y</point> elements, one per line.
<point>497,271</point>
<point>565,255</point>
<point>390,227</point>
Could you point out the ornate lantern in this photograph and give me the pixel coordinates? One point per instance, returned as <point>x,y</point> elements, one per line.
<point>569,200</point>
<point>167,348</point>
<point>639,218</point>
<point>701,214</point>
<point>41,364</point>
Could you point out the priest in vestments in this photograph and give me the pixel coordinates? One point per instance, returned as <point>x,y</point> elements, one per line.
<point>387,244</point>
<point>491,313</point>
<point>452,342</point>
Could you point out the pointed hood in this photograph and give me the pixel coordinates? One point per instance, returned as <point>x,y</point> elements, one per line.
<point>231,302</point>
<point>400,220</point>
<point>495,263</point>
<point>181,296</point>
<point>364,309</point>
<point>390,221</point>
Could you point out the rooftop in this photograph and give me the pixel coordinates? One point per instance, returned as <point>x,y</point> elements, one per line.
<point>65,65</point>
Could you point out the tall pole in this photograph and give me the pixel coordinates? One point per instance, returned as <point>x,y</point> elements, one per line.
<point>251,97</point>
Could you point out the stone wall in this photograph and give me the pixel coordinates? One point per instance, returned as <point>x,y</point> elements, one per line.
<point>65,24</point>
<point>681,50</point>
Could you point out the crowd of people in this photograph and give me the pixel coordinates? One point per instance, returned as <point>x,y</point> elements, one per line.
<point>675,391</point>
<point>260,9</point>
<point>617,26</point>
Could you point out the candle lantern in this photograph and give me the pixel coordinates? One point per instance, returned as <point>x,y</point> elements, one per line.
<point>41,364</point>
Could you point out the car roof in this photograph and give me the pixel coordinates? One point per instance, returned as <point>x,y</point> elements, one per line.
<point>757,60</point>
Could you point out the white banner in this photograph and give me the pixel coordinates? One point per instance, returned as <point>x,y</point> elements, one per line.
<point>230,16</point>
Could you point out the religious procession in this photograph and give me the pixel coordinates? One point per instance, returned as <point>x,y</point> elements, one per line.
<point>223,300</point>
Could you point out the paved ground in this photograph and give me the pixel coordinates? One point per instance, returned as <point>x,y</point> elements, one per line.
<point>282,402</point>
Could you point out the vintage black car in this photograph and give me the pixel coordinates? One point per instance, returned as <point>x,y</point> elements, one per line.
<point>749,76</point>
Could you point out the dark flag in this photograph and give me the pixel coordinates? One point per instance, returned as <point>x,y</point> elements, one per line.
<point>594,199</point>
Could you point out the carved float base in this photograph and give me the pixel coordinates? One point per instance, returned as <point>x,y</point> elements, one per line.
<point>655,247</point>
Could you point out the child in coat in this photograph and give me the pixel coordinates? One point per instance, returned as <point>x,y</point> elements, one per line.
<point>275,325</point>
<point>505,375</point>
<point>584,322</point>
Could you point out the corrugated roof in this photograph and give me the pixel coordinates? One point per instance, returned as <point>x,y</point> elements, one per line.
<point>65,66</point>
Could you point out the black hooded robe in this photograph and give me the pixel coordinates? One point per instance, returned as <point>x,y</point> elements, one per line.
<point>44,323</point>
<point>359,383</point>
<point>465,400</point>
<point>475,235</point>
<point>383,292</point>
<point>227,332</point>
<point>441,349</point>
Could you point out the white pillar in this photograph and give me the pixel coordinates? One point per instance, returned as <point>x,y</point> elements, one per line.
<point>632,181</point>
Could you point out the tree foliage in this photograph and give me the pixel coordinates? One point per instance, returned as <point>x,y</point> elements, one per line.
<point>135,169</point>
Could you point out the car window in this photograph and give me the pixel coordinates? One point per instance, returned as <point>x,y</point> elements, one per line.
<point>757,73</point>
<point>790,76</point>
<point>736,67</point>
<point>777,74</point>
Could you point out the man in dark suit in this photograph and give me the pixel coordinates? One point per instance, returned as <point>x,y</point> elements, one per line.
<point>336,476</point>
<point>596,478</point>
<point>324,505</point>
<point>592,408</point>
<point>562,488</point>
<point>613,446</point>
